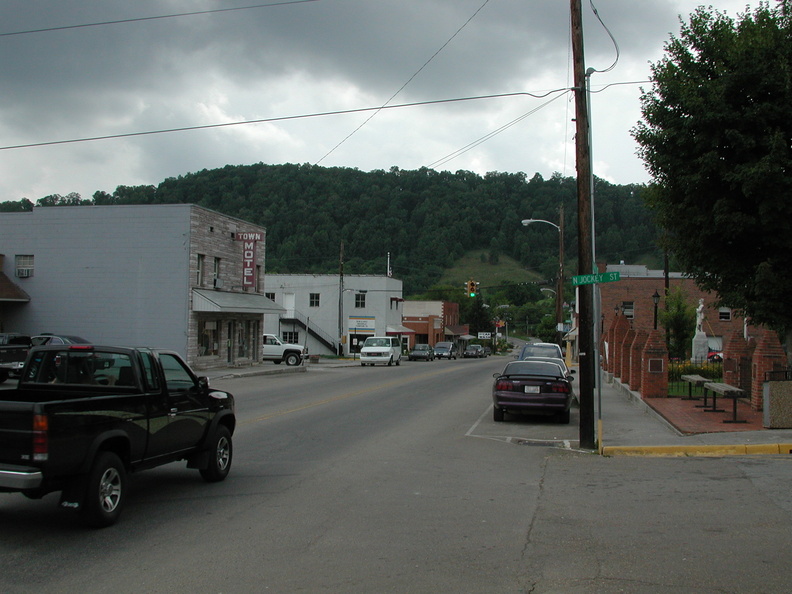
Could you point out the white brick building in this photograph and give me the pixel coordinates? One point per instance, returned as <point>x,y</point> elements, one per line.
<point>314,315</point>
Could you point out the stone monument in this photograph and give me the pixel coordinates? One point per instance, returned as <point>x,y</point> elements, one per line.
<point>700,343</point>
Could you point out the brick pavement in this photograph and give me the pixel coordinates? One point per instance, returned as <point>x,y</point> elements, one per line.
<point>688,418</point>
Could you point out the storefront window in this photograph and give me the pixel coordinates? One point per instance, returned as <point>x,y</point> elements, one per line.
<point>207,338</point>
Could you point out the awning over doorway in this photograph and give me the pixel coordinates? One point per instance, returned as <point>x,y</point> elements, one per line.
<point>399,329</point>
<point>228,302</point>
<point>10,292</point>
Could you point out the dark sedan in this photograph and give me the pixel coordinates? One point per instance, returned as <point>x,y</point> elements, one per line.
<point>474,351</point>
<point>421,352</point>
<point>535,387</point>
<point>51,339</point>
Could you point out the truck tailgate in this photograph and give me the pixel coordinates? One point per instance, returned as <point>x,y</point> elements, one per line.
<point>16,432</point>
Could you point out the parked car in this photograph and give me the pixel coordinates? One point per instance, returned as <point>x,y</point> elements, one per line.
<point>47,338</point>
<point>14,348</point>
<point>560,362</point>
<point>273,349</point>
<point>381,349</point>
<point>474,351</point>
<point>421,352</point>
<point>487,351</point>
<point>540,349</point>
<point>445,350</point>
<point>535,387</point>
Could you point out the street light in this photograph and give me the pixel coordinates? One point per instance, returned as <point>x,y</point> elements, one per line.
<point>560,287</point>
<point>655,300</point>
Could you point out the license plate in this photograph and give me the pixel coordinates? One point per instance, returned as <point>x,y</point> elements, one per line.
<point>531,389</point>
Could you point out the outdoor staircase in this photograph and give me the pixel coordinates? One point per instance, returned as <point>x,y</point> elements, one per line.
<point>292,315</point>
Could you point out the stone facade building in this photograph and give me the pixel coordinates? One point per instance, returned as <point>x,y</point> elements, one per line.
<point>175,276</point>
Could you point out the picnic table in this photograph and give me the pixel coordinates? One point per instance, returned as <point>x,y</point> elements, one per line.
<point>694,380</point>
<point>726,391</point>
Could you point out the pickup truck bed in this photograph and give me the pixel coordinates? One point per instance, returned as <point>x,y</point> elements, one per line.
<point>84,417</point>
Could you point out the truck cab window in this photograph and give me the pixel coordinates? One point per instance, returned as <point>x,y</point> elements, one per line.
<point>177,378</point>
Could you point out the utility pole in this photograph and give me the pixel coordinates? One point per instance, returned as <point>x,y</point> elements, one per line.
<point>587,351</point>
<point>341,301</point>
<point>559,304</point>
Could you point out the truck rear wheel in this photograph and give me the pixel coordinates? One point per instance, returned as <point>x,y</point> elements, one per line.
<point>221,451</point>
<point>105,492</point>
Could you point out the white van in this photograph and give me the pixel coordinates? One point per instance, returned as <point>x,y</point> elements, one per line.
<point>381,349</point>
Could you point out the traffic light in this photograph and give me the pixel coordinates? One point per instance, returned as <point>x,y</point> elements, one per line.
<point>472,288</point>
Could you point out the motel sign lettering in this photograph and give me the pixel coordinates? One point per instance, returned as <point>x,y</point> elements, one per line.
<point>249,241</point>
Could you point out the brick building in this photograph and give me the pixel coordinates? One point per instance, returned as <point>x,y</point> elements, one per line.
<point>631,296</point>
<point>433,322</point>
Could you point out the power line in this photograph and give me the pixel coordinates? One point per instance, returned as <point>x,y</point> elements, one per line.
<point>153,18</point>
<point>274,119</point>
<point>486,137</point>
<point>417,72</point>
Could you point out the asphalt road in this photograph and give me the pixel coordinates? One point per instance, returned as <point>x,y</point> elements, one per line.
<point>396,479</point>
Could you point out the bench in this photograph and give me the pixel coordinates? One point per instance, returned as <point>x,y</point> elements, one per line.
<point>694,380</point>
<point>726,391</point>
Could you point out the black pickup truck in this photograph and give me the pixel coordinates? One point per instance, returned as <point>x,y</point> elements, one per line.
<point>83,417</point>
<point>13,352</point>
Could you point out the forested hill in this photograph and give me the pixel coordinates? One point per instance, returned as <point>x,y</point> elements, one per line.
<point>426,219</point>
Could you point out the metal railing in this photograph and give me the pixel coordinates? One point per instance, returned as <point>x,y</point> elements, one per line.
<point>329,341</point>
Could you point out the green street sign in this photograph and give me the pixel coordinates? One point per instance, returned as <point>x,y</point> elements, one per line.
<point>593,279</point>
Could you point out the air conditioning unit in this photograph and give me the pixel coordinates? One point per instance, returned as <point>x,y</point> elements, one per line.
<point>218,283</point>
<point>24,272</point>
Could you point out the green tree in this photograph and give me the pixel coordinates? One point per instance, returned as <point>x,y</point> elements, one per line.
<point>716,137</point>
<point>678,317</point>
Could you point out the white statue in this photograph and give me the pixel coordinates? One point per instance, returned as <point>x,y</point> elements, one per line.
<point>700,316</point>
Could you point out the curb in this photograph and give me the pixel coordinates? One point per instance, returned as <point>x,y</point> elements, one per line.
<point>699,450</point>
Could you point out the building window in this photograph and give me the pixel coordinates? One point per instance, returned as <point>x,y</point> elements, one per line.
<point>216,280</point>
<point>270,296</point>
<point>291,337</point>
<point>199,279</point>
<point>628,308</point>
<point>24,266</point>
<point>207,338</point>
<point>360,300</point>
<point>313,300</point>
<point>725,314</point>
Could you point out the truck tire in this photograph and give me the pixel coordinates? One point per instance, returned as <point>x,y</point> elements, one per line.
<point>292,359</point>
<point>221,451</point>
<point>105,492</point>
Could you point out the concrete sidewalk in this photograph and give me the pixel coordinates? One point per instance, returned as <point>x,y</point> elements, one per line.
<point>627,425</point>
<point>631,427</point>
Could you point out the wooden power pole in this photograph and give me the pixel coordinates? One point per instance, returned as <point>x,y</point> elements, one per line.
<point>586,351</point>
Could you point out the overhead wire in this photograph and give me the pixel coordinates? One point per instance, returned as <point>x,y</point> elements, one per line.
<point>486,137</point>
<point>613,39</point>
<point>274,119</point>
<point>416,73</point>
<point>153,18</point>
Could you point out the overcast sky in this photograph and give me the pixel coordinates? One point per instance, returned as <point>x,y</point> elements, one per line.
<point>304,57</point>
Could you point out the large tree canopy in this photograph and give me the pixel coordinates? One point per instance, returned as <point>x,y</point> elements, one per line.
<point>716,136</point>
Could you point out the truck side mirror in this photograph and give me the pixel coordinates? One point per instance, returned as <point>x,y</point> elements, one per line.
<point>203,384</point>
